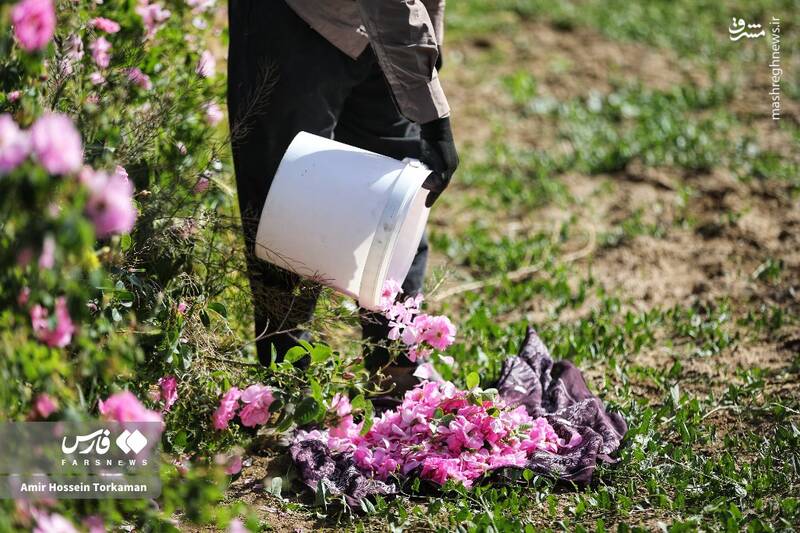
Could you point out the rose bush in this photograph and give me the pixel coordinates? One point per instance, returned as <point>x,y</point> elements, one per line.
<point>103,140</point>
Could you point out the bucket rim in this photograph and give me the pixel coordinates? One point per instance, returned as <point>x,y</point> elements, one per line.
<point>388,231</point>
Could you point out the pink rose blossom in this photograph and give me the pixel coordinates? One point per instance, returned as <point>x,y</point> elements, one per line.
<point>233,463</point>
<point>439,332</point>
<point>237,526</point>
<point>125,407</point>
<point>72,54</point>
<point>57,144</point>
<point>182,465</point>
<point>139,78</point>
<point>86,175</point>
<point>201,186</point>
<point>94,524</point>
<point>44,406</point>
<point>235,466</point>
<point>34,23</point>
<point>24,256</point>
<point>182,308</point>
<point>120,172</point>
<point>153,16</point>
<point>213,113</point>
<point>96,78</point>
<point>228,406</point>
<point>59,335</point>
<point>14,144</point>
<point>24,295</point>
<point>110,204</point>
<point>104,24</point>
<point>47,257</point>
<point>340,404</point>
<point>257,399</point>
<point>414,328</point>
<point>101,52</point>
<point>207,66</point>
<point>199,6</point>
<point>389,293</point>
<point>169,391</point>
<point>52,523</point>
<point>425,371</point>
<point>13,96</point>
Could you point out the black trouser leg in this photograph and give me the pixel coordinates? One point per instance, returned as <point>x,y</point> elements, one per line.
<point>283,78</point>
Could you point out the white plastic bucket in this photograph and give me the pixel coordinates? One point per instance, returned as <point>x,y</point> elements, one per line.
<point>346,217</point>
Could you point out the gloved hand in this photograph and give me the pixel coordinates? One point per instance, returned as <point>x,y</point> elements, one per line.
<point>439,154</point>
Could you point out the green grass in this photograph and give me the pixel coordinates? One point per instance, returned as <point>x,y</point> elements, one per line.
<point>694,28</point>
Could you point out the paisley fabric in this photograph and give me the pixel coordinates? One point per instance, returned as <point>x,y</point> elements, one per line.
<point>554,390</point>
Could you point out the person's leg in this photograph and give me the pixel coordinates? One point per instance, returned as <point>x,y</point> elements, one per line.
<point>370,120</point>
<point>283,78</point>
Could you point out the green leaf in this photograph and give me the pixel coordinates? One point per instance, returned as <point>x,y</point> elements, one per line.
<point>274,486</point>
<point>316,389</point>
<point>125,242</point>
<point>321,495</point>
<point>305,344</point>
<point>358,402</point>
<point>205,319</point>
<point>367,506</point>
<point>273,365</point>
<point>125,297</point>
<point>219,308</point>
<point>179,440</point>
<point>446,419</point>
<point>284,425</point>
<point>320,353</point>
<point>294,354</point>
<point>527,474</point>
<point>473,380</point>
<point>368,417</point>
<point>307,411</point>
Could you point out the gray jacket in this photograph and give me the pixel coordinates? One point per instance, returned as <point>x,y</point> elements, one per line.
<point>405,35</point>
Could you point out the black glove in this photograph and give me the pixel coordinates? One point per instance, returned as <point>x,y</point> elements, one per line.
<point>439,154</point>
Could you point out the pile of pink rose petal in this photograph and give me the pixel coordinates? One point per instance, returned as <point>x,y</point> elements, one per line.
<point>443,432</point>
<point>541,416</point>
